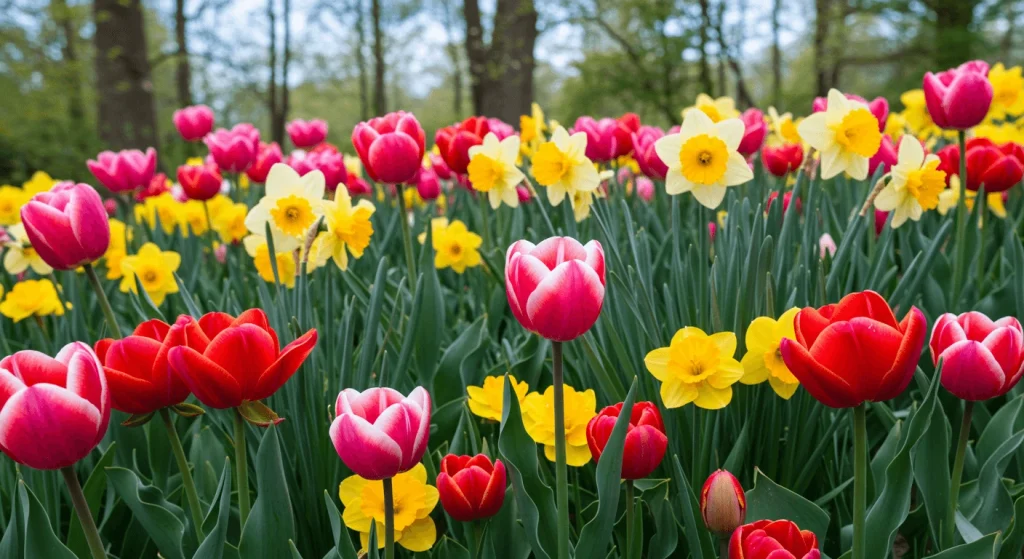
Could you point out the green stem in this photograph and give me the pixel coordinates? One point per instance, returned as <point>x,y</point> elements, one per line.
<point>92,535</point>
<point>186,474</point>
<point>561,471</point>
<point>389,520</point>
<point>961,225</point>
<point>210,238</point>
<point>485,220</point>
<point>242,468</point>
<point>723,548</point>
<point>108,311</point>
<point>629,518</point>
<point>949,528</point>
<point>410,262</point>
<point>476,539</point>
<point>860,479</point>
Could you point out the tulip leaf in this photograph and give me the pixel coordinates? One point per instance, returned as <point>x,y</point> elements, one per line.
<point>294,552</point>
<point>40,540</point>
<point>431,324</point>
<point>460,360</point>
<point>186,297</point>
<point>666,535</point>
<point>213,546</point>
<point>272,511</point>
<point>160,518</point>
<point>342,542</point>
<point>368,347</point>
<point>93,489</point>
<point>985,548</point>
<point>1014,541</point>
<point>698,539</point>
<point>505,538</point>
<point>534,498</point>
<point>930,459</point>
<point>770,501</point>
<point>995,505</point>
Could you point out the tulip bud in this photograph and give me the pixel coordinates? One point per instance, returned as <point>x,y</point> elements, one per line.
<point>826,245</point>
<point>236,149</point>
<point>391,147</point>
<point>754,132</point>
<point>193,122</point>
<point>645,189</point>
<point>200,182</point>
<point>306,134</point>
<point>645,443</point>
<point>67,225</point>
<point>723,504</point>
<point>782,160</point>
<point>523,193</point>
<point>471,488</point>
<point>958,98</point>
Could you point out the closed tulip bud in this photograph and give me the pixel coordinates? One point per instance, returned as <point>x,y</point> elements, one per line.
<point>306,133</point>
<point>67,225</point>
<point>236,149</point>
<point>471,487</point>
<point>981,359</point>
<point>524,194</point>
<point>782,159</point>
<point>124,170</point>
<point>556,288</point>
<point>454,141</point>
<point>958,98</point>
<point>193,123</point>
<point>601,142</point>
<point>754,132</point>
<point>773,539</point>
<point>391,147</point>
<point>723,504</point>
<point>111,206</point>
<point>826,246</point>
<point>885,157</point>
<point>53,410</point>
<point>269,155</point>
<point>221,253</point>
<point>712,231</point>
<point>643,151</point>
<point>645,189</point>
<point>880,219</point>
<point>627,125</point>
<point>427,184</point>
<point>786,199</point>
<point>645,442</point>
<point>378,433</point>
<point>200,182</point>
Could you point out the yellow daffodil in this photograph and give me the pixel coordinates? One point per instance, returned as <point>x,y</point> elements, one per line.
<point>414,499</point>
<point>259,250</point>
<point>455,246</point>
<point>783,127</point>
<point>915,183</point>
<point>154,268</point>
<point>348,230</point>
<point>192,218</point>
<point>531,130</point>
<point>31,298</point>
<point>539,420</point>
<point>194,162</point>
<point>229,222</point>
<point>895,126</point>
<point>292,204</point>
<point>20,255</point>
<point>722,108</point>
<point>488,401</point>
<point>1008,91</point>
<point>696,368</point>
<point>492,169</point>
<point>846,134</point>
<point>117,250</point>
<point>12,199</point>
<point>581,202</point>
<point>353,165</point>
<point>763,361</point>
<point>40,182</point>
<point>702,158</point>
<point>163,208</point>
<point>1000,133</point>
<point>563,167</point>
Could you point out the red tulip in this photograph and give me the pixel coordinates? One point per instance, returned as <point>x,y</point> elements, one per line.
<point>230,360</point>
<point>996,168</point>
<point>193,122</point>
<point>854,350</point>
<point>200,182</point>
<point>236,149</point>
<point>454,141</point>
<point>67,225</point>
<point>556,288</point>
<point>645,438</point>
<point>723,504</point>
<point>878,106</point>
<point>268,156</point>
<point>53,411</point>
<point>958,98</point>
<point>773,539</point>
<point>391,147</point>
<point>439,166</point>
<point>157,186</point>
<point>124,170</point>
<point>981,359</point>
<point>306,133</point>
<point>471,487</point>
<point>885,157</point>
<point>643,151</point>
<point>880,219</point>
<point>782,159</point>
<point>754,132</point>
<point>786,198</point>
<point>601,143</point>
<point>378,433</point>
<point>628,124</point>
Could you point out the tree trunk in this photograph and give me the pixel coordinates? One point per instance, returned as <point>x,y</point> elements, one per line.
<point>380,104</point>
<point>127,118</point>
<point>821,18</point>
<point>453,53</point>
<point>476,52</point>
<point>776,54</point>
<point>502,74</point>
<point>272,102</point>
<point>182,72</point>
<point>72,71</point>
<point>955,38</point>
<point>705,66</point>
<point>282,110</point>
<point>364,82</point>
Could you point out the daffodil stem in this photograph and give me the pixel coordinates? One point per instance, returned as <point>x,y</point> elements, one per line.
<point>92,534</point>
<point>561,471</point>
<point>389,520</point>
<point>186,475</point>
<point>108,311</point>
<point>961,225</point>
<point>629,518</point>
<point>860,481</point>
<point>410,262</point>
<point>949,528</point>
<point>242,468</point>
<point>485,221</point>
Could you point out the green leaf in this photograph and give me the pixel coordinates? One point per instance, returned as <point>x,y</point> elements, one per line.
<point>430,329</point>
<point>985,548</point>
<point>505,538</point>
<point>258,414</point>
<point>770,501</point>
<point>40,540</point>
<point>698,539</point>
<point>1014,542</point>
<point>996,505</point>
<point>213,546</point>
<point>460,360</point>
<point>161,519</point>
<point>342,542</point>
<point>186,296</point>
<point>666,535</point>
<point>93,489</point>
<point>368,347</point>
<point>930,459</point>
<point>270,524</point>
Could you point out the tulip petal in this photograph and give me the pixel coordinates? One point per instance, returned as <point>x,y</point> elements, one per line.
<point>66,422</point>
<point>210,383</point>
<point>364,449</point>
<point>34,367</point>
<point>895,381</point>
<point>555,250</point>
<point>214,322</point>
<point>823,384</point>
<point>643,451</point>
<point>245,352</point>
<point>454,501</point>
<point>291,358</point>
<point>865,304</point>
<point>567,302</point>
<point>970,372</point>
<point>861,351</point>
<point>10,385</point>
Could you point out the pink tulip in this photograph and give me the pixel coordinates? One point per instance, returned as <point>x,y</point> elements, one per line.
<point>53,411</point>
<point>958,98</point>
<point>236,149</point>
<point>754,133</point>
<point>524,194</point>
<point>601,143</point>
<point>439,166</point>
<point>391,147</point>
<point>330,163</point>
<point>221,253</point>
<point>124,170</point>
<point>307,133</point>
<point>643,150</point>
<point>428,186</point>
<point>645,189</point>
<point>826,245</point>
<point>67,225</point>
<point>885,157</point>
<point>556,288</point>
<point>981,359</point>
<point>269,155</point>
<point>111,206</point>
<point>712,231</point>
<point>193,123</point>
<point>500,128</point>
<point>379,433</point>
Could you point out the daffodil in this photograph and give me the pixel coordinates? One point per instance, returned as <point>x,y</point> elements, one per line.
<point>12,199</point>
<point>256,246</point>
<point>39,182</point>
<point>539,420</point>
<point>192,218</point>
<point>413,498</point>
<point>353,165</point>
<point>1000,133</point>
<point>229,222</point>
<point>722,108</point>
<point>1008,91</point>
<point>783,127</point>
<point>455,246</point>
<point>492,169</point>
<point>581,202</point>
<point>162,208</point>
<point>348,230</point>
<point>155,269</point>
<point>702,158</point>
<point>895,126</point>
<point>915,183</point>
<point>292,204</point>
<point>562,166</point>
<point>763,361</point>
<point>696,368</point>
<point>117,250</point>
<point>846,134</point>
<point>531,130</point>
<point>20,255</point>
<point>31,298</point>
<point>488,401</point>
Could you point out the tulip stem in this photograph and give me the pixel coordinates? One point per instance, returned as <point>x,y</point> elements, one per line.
<point>410,262</point>
<point>485,222</point>
<point>961,225</point>
<point>92,535</point>
<point>186,475</point>
<point>949,528</point>
<point>860,478</point>
<point>108,311</point>
<point>561,471</point>
<point>723,547</point>
<point>389,520</point>
<point>629,518</point>
<point>476,539</point>
<point>243,468</point>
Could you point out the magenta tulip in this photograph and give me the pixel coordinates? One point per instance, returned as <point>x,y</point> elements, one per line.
<point>330,163</point>
<point>885,157</point>
<point>645,188</point>
<point>601,142</point>
<point>53,411</point>
<point>307,133</point>
<point>643,150</point>
<point>958,98</point>
<point>67,225</point>
<point>391,147</point>
<point>193,123</point>
<point>754,132</point>
<point>556,288</point>
<point>428,186</point>
<point>379,433</point>
<point>236,149</point>
<point>981,359</point>
<point>124,170</point>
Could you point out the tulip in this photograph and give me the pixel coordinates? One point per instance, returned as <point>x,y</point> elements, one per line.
<point>391,147</point>
<point>524,194</point>
<point>200,182</point>
<point>67,225</point>
<point>628,124</point>
<point>500,128</point>
<point>330,163</point>
<point>109,204</point>
<point>306,133</point>
<point>439,166</point>
<point>124,170</point>
<point>193,123</point>
<point>773,539</point>
<point>645,189</point>
<point>885,157</point>
<point>428,186</point>
<point>949,160</point>
<point>643,150</point>
<point>878,106</point>
<point>958,98</point>
<point>981,359</point>
<point>826,245</point>
<point>723,504</point>
<point>754,132</point>
<point>268,156</point>
<point>782,159</point>
<point>454,141</point>
<point>601,137</point>
<point>645,438</point>
<point>236,149</point>
<point>880,219</point>
<point>786,198</point>
<point>156,186</point>
<point>712,231</point>
<point>379,433</point>
<point>996,168</point>
<point>556,288</point>
<point>471,487</point>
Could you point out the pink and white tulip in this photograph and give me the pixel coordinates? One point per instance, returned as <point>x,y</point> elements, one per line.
<point>959,98</point>
<point>193,123</point>
<point>124,170</point>
<point>981,359</point>
<point>236,149</point>
<point>307,133</point>
<point>379,433</point>
<point>67,225</point>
